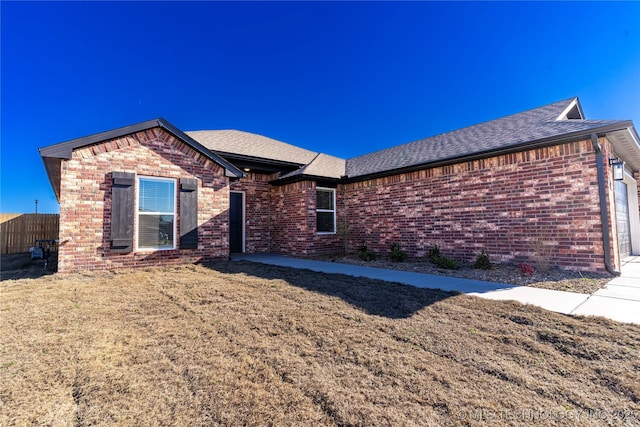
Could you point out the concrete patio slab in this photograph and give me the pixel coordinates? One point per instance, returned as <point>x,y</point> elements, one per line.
<point>621,310</point>
<point>631,267</point>
<point>626,281</point>
<point>623,292</point>
<point>631,271</point>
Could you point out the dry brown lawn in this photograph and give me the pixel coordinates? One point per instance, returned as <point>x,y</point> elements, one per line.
<point>250,344</point>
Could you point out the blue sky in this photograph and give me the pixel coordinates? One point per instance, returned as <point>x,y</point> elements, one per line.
<point>341,78</point>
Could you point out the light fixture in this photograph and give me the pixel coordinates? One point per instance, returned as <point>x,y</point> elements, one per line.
<point>246,169</point>
<point>618,168</point>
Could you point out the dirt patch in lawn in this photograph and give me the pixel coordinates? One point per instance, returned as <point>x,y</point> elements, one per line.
<point>553,278</point>
<point>251,344</point>
<point>21,266</point>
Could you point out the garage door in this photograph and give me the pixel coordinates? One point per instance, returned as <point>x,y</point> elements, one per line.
<point>622,215</point>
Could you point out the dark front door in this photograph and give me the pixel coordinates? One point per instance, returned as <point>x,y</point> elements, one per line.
<point>236,223</point>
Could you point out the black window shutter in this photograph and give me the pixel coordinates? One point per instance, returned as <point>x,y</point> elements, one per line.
<point>122,211</point>
<point>188,213</point>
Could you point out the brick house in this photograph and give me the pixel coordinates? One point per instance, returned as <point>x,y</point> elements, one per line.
<point>542,183</point>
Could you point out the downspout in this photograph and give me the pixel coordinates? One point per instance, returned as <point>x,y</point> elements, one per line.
<point>604,214</point>
<point>269,234</point>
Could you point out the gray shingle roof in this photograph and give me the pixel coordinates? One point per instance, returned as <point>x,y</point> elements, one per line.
<point>511,131</point>
<point>548,123</point>
<point>551,123</point>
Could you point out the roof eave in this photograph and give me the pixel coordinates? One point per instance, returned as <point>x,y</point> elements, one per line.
<point>254,159</point>
<point>64,150</point>
<point>626,145</point>
<point>539,143</point>
<point>53,173</point>
<point>304,177</point>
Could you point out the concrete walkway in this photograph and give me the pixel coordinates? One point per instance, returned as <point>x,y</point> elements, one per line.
<point>618,300</point>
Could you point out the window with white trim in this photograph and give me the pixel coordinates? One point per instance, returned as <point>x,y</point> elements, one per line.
<point>156,213</point>
<point>325,210</point>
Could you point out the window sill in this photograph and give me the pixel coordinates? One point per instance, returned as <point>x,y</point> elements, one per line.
<point>147,250</point>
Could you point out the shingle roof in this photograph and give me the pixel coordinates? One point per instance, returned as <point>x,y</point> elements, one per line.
<point>252,145</point>
<point>548,123</point>
<point>323,166</point>
<point>511,131</point>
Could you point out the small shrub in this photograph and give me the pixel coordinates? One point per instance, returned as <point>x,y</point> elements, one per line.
<point>364,253</point>
<point>434,252</point>
<point>442,261</point>
<point>396,253</point>
<point>445,262</point>
<point>542,246</point>
<point>482,261</point>
<point>526,269</point>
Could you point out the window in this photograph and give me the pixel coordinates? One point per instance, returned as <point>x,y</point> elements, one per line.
<point>156,213</point>
<point>325,210</point>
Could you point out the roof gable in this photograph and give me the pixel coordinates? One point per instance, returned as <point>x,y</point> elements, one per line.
<point>572,112</point>
<point>52,155</point>
<point>63,150</point>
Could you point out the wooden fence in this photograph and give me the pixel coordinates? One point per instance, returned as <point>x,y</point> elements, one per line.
<point>18,232</point>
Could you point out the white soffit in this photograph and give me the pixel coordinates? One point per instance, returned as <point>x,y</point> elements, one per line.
<point>626,146</point>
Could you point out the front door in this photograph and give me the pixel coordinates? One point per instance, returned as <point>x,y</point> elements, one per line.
<point>236,223</point>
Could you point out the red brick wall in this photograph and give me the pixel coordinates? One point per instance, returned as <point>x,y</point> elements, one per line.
<point>85,200</point>
<point>290,227</point>
<point>293,224</point>
<point>517,207</point>
<point>283,219</point>
<point>514,206</point>
<point>257,211</point>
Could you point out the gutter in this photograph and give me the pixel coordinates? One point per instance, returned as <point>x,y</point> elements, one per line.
<point>304,177</point>
<point>604,214</point>
<point>64,150</point>
<point>514,148</point>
